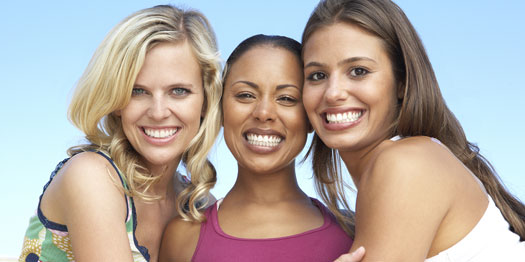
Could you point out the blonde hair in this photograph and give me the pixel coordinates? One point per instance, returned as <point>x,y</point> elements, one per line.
<point>107,83</point>
<point>421,112</point>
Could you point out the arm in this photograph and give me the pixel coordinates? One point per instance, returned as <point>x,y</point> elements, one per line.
<point>84,197</point>
<point>179,240</point>
<point>401,202</point>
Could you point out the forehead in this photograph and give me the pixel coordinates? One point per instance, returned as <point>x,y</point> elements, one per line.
<point>170,62</point>
<point>268,51</point>
<point>266,60</point>
<point>342,40</point>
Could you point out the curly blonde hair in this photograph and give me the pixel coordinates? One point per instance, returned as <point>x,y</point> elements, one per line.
<point>106,87</point>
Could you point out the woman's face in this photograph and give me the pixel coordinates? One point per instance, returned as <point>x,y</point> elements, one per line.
<point>350,89</point>
<point>265,125</point>
<point>164,112</point>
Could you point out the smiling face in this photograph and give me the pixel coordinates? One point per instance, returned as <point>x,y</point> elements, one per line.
<point>164,112</point>
<point>265,124</point>
<point>350,89</point>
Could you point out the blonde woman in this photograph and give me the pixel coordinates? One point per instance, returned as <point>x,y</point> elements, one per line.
<point>424,191</point>
<point>147,100</point>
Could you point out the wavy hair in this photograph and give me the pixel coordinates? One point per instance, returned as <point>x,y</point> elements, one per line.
<point>421,110</point>
<point>107,84</point>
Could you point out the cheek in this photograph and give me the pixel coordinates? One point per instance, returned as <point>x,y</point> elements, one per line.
<point>311,99</point>
<point>386,100</point>
<point>130,113</point>
<point>229,111</point>
<point>297,123</point>
<point>302,119</point>
<point>190,111</point>
<point>227,127</point>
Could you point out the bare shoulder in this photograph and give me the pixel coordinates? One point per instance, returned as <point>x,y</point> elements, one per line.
<point>414,168</point>
<point>179,240</point>
<point>86,194</point>
<point>413,160</point>
<point>402,198</point>
<point>87,178</point>
<point>88,162</point>
<point>90,170</point>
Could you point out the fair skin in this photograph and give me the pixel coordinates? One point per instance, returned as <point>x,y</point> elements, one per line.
<point>84,195</point>
<point>415,183</point>
<point>262,99</point>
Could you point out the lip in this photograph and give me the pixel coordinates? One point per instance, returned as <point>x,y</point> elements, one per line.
<point>341,126</point>
<point>263,132</point>
<point>160,141</point>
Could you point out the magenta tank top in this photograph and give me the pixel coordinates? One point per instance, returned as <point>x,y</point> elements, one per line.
<point>325,243</point>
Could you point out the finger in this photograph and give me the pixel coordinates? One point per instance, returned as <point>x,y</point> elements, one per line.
<point>355,256</point>
<point>358,254</point>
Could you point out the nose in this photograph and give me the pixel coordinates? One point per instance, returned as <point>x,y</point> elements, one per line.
<point>158,108</point>
<point>336,91</point>
<point>264,110</point>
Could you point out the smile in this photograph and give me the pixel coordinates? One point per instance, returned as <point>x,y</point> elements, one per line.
<point>160,133</point>
<point>346,117</point>
<point>263,140</point>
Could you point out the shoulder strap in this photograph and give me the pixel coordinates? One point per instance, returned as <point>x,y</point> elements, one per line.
<point>122,179</point>
<point>131,219</point>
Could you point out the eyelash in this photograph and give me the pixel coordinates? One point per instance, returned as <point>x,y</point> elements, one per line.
<point>288,99</point>
<point>318,76</point>
<point>184,90</point>
<point>353,74</point>
<point>244,96</point>
<point>313,75</point>
<point>178,91</point>
<point>137,91</point>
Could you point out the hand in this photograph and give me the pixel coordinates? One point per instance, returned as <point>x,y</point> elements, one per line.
<point>355,256</point>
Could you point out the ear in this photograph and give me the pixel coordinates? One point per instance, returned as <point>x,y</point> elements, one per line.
<point>118,113</point>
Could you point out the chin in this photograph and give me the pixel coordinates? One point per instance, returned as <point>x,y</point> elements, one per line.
<point>340,143</point>
<point>160,159</point>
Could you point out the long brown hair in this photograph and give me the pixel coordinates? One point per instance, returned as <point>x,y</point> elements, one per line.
<point>422,109</point>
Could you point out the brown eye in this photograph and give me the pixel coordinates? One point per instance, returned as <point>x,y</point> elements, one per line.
<point>287,100</point>
<point>358,72</point>
<point>244,96</point>
<point>316,76</point>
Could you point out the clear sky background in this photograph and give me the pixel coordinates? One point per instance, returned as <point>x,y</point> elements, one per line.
<point>477,49</point>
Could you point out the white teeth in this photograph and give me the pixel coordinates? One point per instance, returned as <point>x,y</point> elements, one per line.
<point>160,133</point>
<point>260,140</point>
<point>346,117</point>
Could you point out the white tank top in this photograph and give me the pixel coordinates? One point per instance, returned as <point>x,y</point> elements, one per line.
<point>489,241</point>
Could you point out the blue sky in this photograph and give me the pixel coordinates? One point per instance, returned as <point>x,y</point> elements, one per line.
<point>476,48</point>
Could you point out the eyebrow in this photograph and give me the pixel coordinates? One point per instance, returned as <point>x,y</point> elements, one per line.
<point>251,84</point>
<point>355,59</point>
<point>280,87</point>
<point>186,85</point>
<point>342,62</point>
<point>254,85</point>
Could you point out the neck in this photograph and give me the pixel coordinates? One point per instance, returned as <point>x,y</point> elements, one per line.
<point>358,161</point>
<point>165,186</point>
<point>266,187</point>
